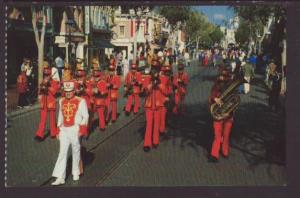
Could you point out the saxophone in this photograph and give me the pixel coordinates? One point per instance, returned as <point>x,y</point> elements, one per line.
<point>230,100</point>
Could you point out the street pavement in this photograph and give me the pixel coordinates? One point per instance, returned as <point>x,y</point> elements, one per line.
<point>116,157</point>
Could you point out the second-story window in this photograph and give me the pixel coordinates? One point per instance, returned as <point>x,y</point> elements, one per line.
<point>122,30</point>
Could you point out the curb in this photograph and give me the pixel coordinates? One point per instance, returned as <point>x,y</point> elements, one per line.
<point>19,112</point>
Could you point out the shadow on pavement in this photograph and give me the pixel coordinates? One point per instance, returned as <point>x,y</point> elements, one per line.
<point>257,132</point>
<point>87,159</point>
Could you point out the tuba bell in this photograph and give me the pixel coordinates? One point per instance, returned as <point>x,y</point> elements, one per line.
<point>230,101</point>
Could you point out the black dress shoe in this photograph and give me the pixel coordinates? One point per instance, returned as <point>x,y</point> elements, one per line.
<point>212,159</point>
<point>127,113</point>
<point>146,148</point>
<point>38,139</point>
<point>155,146</point>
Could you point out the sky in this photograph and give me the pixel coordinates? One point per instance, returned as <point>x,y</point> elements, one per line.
<point>216,14</point>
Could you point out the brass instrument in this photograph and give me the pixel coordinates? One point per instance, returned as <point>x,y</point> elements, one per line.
<point>129,89</point>
<point>81,88</point>
<point>155,80</point>
<point>230,101</point>
<point>44,86</point>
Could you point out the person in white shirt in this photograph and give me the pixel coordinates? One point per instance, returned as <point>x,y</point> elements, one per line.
<point>187,58</point>
<point>72,124</point>
<point>59,62</point>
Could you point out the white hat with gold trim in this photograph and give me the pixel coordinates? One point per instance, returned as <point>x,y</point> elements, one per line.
<point>69,86</point>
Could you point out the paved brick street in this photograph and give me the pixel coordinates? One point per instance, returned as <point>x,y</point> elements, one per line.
<point>116,157</point>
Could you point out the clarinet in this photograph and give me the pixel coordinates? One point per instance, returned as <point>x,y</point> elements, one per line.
<point>44,86</point>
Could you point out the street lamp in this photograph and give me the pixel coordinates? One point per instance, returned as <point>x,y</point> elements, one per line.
<point>137,15</point>
<point>69,23</point>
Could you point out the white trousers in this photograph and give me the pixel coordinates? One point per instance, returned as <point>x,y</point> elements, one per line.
<point>247,85</point>
<point>67,136</point>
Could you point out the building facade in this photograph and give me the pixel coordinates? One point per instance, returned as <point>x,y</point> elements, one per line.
<point>21,41</point>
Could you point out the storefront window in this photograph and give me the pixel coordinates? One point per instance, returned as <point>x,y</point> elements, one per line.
<point>122,30</point>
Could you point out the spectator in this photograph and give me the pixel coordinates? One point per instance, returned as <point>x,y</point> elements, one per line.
<point>248,72</point>
<point>142,61</point>
<point>274,86</point>
<point>59,62</point>
<point>149,57</point>
<point>125,66</point>
<point>252,60</point>
<point>22,88</point>
<point>187,58</point>
<point>119,63</point>
<point>29,75</point>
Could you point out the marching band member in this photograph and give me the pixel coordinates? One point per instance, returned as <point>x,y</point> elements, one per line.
<point>113,84</point>
<point>180,82</point>
<point>97,91</point>
<point>155,94</point>
<point>165,79</point>
<point>47,98</point>
<point>81,85</point>
<point>222,128</point>
<point>132,89</point>
<point>72,124</point>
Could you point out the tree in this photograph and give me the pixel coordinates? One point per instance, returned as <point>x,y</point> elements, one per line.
<point>199,30</point>
<point>216,35</point>
<point>39,14</point>
<point>175,14</point>
<point>195,27</point>
<point>258,18</point>
<point>242,34</point>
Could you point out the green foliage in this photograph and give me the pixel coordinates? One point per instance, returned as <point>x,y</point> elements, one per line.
<point>175,14</point>
<point>198,28</point>
<point>256,17</point>
<point>216,35</point>
<point>243,32</point>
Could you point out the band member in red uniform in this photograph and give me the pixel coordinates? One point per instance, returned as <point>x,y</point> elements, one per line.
<point>155,94</point>
<point>222,128</point>
<point>80,91</point>
<point>47,98</point>
<point>80,84</point>
<point>166,79</point>
<point>91,88</point>
<point>113,84</point>
<point>132,89</point>
<point>72,124</point>
<point>180,82</point>
<point>146,79</point>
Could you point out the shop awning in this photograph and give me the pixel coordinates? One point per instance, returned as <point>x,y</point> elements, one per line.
<point>103,44</point>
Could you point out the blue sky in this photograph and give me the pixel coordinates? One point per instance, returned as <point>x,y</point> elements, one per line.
<point>216,14</point>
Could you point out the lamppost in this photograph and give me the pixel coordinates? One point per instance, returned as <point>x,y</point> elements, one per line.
<point>138,16</point>
<point>69,23</point>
